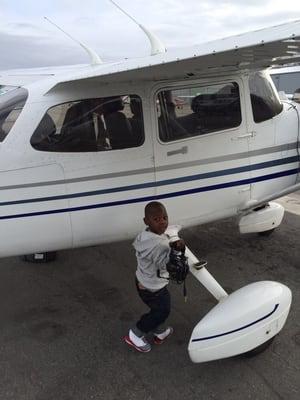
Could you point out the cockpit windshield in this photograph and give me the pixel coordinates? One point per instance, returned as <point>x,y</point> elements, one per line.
<point>12,101</point>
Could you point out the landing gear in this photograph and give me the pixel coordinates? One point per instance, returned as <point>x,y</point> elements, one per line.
<point>259,349</point>
<point>262,220</point>
<point>243,322</point>
<point>39,258</point>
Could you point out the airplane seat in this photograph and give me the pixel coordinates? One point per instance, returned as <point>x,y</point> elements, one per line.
<point>78,132</point>
<point>117,125</point>
<point>170,129</point>
<point>216,114</point>
<point>195,104</point>
<point>191,123</point>
<point>136,121</point>
<point>234,111</point>
<point>112,104</point>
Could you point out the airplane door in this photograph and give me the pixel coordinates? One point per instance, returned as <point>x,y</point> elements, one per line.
<point>201,152</point>
<point>109,194</point>
<point>273,129</point>
<point>108,166</point>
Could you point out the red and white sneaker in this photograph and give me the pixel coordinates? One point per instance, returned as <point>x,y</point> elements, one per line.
<point>139,343</point>
<point>159,338</point>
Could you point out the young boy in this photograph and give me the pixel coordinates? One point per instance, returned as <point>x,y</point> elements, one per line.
<point>152,251</point>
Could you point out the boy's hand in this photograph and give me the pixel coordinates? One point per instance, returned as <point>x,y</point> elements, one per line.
<point>178,245</point>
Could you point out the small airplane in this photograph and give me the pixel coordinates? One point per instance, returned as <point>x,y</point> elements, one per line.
<point>84,148</point>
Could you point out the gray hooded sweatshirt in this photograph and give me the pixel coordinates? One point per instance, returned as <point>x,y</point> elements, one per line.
<point>152,253</point>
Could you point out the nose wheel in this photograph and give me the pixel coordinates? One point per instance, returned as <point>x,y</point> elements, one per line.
<point>259,349</point>
<point>243,322</point>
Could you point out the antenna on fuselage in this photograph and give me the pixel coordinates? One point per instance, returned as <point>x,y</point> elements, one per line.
<point>157,47</point>
<point>95,59</point>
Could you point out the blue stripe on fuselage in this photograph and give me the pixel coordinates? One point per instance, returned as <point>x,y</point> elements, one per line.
<point>184,179</point>
<point>158,197</point>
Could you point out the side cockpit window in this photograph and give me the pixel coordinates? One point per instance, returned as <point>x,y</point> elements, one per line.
<point>101,124</point>
<point>198,110</point>
<point>264,100</point>
<point>12,101</point>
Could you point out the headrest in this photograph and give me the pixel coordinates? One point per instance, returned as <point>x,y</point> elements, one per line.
<point>197,102</point>
<point>136,106</point>
<point>113,104</point>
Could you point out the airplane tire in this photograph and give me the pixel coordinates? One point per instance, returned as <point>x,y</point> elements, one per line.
<point>259,349</point>
<point>40,258</point>
<point>266,233</point>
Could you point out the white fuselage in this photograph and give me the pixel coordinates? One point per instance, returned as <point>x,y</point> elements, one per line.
<point>53,200</point>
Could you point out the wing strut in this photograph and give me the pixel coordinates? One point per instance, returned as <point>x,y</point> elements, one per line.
<point>157,47</point>
<point>258,203</point>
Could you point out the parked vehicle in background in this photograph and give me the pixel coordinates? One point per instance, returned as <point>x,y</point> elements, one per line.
<point>288,80</point>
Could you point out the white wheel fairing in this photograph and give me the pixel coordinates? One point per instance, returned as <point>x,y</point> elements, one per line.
<point>242,321</point>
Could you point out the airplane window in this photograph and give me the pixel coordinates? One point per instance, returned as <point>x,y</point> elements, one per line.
<point>12,101</point>
<point>101,124</point>
<point>287,82</point>
<point>265,101</point>
<point>198,110</point>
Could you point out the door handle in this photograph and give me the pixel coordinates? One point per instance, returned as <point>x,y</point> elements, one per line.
<point>183,150</point>
<point>247,135</point>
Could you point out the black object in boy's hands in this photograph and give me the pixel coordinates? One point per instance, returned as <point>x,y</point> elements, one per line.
<point>178,245</point>
<point>177,266</point>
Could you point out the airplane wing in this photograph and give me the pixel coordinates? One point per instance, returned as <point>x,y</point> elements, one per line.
<point>22,77</point>
<point>278,45</point>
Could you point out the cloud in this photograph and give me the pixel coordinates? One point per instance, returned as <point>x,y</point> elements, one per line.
<point>27,40</point>
<point>28,51</point>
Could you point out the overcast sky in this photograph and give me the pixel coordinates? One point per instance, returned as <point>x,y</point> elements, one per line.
<point>28,40</point>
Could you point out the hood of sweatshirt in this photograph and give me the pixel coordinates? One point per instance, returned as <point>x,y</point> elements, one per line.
<point>146,241</point>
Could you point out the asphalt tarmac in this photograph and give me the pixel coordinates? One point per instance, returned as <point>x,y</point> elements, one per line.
<point>62,323</point>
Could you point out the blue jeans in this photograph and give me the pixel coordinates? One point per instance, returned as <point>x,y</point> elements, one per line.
<point>159,303</point>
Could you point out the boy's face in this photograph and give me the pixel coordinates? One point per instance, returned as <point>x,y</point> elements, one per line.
<point>157,220</point>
